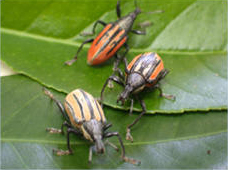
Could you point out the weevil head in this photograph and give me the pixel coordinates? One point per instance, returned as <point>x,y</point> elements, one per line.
<point>135,13</point>
<point>99,144</point>
<point>125,94</point>
<point>93,131</point>
<point>135,83</point>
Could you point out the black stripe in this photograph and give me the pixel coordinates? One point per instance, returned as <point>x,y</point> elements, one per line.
<point>146,61</point>
<point>136,63</point>
<point>143,57</point>
<point>80,106</point>
<point>109,40</point>
<point>106,33</point>
<point>115,33</point>
<point>88,103</point>
<point>72,112</point>
<point>99,111</point>
<point>116,43</point>
<point>153,68</point>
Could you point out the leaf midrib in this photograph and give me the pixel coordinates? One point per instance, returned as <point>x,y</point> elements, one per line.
<point>77,44</point>
<point>117,143</point>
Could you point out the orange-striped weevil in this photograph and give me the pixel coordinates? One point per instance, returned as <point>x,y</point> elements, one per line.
<point>84,116</point>
<point>113,36</point>
<point>145,70</point>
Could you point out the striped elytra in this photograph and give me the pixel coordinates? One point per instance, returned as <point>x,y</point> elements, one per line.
<point>80,106</point>
<point>149,65</point>
<point>106,44</point>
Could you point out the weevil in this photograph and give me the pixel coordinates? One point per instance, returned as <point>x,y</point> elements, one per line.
<point>144,71</point>
<point>113,36</point>
<point>85,117</point>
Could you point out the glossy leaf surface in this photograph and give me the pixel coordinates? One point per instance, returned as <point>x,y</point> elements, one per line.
<point>39,36</point>
<point>194,140</point>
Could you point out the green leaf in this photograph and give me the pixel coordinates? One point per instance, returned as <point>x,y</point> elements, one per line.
<point>193,141</point>
<point>189,36</point>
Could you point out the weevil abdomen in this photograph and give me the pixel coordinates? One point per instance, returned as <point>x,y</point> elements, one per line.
<point>81,106</point>
<point>106,44</point>
<point>149,65</point>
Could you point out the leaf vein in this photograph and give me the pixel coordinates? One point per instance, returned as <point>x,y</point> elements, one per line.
<point>18,155</point>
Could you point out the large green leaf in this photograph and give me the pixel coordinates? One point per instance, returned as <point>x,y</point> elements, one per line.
<point>193,140</point>
<point>38,36</point>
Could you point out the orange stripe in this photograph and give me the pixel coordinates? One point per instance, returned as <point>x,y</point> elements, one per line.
<point>133,61</point>
<point>102,33</point>
<point>102,56</point>
<point>120,44</point>
<point>158,69</point>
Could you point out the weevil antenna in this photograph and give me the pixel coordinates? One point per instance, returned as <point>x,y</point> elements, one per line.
<point>136,6</point>
<point>137,9</point>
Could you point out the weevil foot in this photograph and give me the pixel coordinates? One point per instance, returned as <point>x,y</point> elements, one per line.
<point>145,24</point>
<point>86,34</point>
<point>70,62</point>
<point>168,96</point>
<point>131,160</point>
<point>54,130</point>
<point>110,84</point>
<point>128,135</point>
<point>62,152</point>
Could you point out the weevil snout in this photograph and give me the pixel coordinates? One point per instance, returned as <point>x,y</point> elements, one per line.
<point>125,94</point>
<point>99,145</point>
<point>137,11</point>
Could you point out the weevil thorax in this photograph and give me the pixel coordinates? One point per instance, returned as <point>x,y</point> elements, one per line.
<point>135,83</point>
<point>93,131</point>
<point>127,21</point>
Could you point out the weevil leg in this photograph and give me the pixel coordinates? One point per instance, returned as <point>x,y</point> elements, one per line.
<point>145,24</point>
<point>125,59</point>
<point>118,11</point>
<point>126,64</point>
<point>167,96</point>
<point>119,59</point>
<point>138,32</point>
<point>111,78</point>
<point>70,62</point>
<point>116,69</point>
<point>126,159</point>
<point>94,28</point>
<point>120,74</point>
<point>162,75</point>
<point>65,123</point>
<point>58,103</point>
<point>131,107</point>
<point>112,145</point>
<point>128,135</point>
<point>69,151</point>
<point>53,130</point>
<point>90,154</point>
<point>107,126</point>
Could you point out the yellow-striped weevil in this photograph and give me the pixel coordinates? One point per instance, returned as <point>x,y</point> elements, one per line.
<point>84,116</point>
